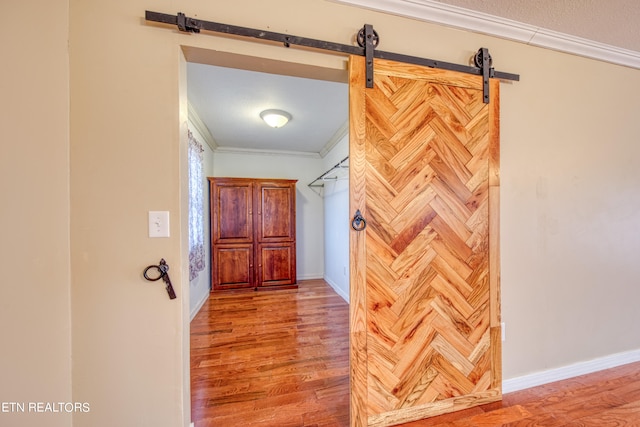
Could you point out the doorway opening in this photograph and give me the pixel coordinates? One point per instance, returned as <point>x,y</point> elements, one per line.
<point>226,94</point>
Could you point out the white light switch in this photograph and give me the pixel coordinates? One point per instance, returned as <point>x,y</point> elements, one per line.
<point>158,223</point>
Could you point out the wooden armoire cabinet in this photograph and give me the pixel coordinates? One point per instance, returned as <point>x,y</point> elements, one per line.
<point>253,233</point>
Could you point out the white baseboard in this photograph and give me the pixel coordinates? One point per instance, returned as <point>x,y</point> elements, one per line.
<point>309,276</point>
<point>198,306</point>
<point>569,371</point>
<point>344,294</point>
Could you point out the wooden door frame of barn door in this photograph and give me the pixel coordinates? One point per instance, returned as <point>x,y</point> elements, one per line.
<point>359,369</point>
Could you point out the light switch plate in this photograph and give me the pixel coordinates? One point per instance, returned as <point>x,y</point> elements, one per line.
<point>158,223</point>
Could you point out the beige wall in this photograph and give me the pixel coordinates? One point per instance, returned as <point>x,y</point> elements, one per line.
<point>127,158</point>
<point>570,211</point>
<point>35,352</point>
<point>570,205</point>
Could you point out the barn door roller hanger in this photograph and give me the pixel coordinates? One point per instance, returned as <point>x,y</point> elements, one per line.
<point>367,38</point>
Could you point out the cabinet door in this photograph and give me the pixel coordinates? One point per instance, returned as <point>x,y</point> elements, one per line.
<point>231,210</point>
<point>275,201</point>
<point>276,264</point>
<point>232,266</point>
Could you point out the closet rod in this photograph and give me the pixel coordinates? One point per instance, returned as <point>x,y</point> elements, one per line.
<point>337,165</point>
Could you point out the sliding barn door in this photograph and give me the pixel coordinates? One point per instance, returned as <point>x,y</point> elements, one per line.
<point>425,317</point>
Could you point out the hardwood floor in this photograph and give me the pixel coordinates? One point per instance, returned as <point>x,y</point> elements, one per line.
<point>280,359</point>
<point>271,358</point>
<point>604,399</point>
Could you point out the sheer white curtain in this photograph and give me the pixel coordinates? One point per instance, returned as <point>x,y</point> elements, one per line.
<point>196,200</point>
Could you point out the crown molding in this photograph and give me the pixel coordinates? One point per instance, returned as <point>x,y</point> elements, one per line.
<point>197,122</point>
<point>236,150</point>
<point>470,20</point>
<point>337,137</point>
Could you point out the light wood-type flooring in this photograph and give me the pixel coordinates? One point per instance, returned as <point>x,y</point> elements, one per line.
<point>280,359</point>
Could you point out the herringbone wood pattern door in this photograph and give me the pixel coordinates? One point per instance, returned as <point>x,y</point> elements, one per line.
<point>425,325</point>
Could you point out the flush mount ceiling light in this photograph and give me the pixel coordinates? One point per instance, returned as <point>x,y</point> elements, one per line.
<point>275,118</point>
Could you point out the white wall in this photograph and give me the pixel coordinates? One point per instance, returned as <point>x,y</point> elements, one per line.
<point>201,285</point>
<point>309,210</point>
<point>322,220</point>
<point>337,221</point>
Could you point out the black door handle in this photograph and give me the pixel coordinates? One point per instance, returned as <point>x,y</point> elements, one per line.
<point>358,223</point>
<point>162,271</point>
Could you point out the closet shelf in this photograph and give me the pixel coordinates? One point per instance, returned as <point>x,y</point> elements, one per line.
<point>319,181</point>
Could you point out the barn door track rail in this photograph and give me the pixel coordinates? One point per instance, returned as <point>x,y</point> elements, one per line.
<point>367,38</point>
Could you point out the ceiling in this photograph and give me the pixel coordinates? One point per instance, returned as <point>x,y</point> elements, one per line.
<point>229,101</point>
